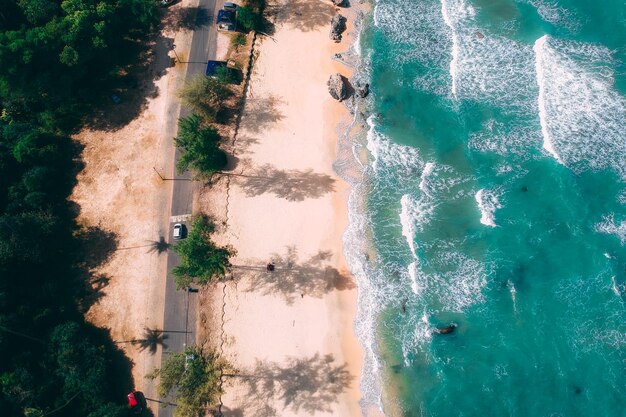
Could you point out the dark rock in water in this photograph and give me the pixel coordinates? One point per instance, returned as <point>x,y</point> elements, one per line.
<point>362,90</point>
<point>338,2</point>
<point>479,35</point>
<point>337,26</point>
<point>446,330</point>
<point>577,390</point>
<point>396,368</point>
<point>337,87</point>
<point>524,188</point>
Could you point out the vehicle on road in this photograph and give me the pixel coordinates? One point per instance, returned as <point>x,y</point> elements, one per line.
<point>230,6</point>
<point>226,20</point>
<point>136,402</point>
<point>179,231</point>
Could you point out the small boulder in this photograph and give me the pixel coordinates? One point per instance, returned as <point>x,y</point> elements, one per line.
<point>337,87</point>
<point>337,26</point>
<point>337,2</point>
<point>362,90</point>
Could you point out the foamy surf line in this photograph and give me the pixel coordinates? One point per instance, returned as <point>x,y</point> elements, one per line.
<point>541,99</point>
<point>488,203</point>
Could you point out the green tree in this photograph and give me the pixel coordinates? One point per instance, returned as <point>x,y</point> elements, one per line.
<point>201,260</point>
<point>200,146</point>
<point>248,19</point>
<point>193,377</point>
<point>205,96</point>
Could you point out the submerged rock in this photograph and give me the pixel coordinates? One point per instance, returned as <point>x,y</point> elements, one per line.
<point>337,87</point>
<point>337,26</point>
<point>446,329</point>
<point>362,90</point>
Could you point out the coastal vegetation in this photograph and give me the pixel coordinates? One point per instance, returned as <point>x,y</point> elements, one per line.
<point>205,96</point>
<point>201,260</point>
<point>250,15</point>
<point>193,377</point>
<point>60,61</point>
<point>200,146</point>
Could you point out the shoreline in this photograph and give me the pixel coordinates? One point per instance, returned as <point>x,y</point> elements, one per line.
<point>308,305</point>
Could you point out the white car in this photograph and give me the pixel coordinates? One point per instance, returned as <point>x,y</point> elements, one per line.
<point>179,231</point>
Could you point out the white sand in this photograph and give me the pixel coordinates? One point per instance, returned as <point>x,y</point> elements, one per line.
<point>289,332</point>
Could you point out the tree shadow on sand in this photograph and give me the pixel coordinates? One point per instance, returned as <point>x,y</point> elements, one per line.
<point>150,340</point>
<point>307,385</point>
<point>305,15</point>
<point>262,113</point>
<point>97,246</point>
<point>292,185</point>
<point>293,279</point>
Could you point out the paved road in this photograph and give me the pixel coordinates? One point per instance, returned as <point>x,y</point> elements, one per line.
<point>179,321</point>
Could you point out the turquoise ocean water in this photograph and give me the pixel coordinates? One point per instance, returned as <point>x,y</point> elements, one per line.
<point>494,197</point>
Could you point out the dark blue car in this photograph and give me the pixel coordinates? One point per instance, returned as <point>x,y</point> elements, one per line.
<point>226,20</point>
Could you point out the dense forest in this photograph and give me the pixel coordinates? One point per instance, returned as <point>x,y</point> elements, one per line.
<point>59,61</point>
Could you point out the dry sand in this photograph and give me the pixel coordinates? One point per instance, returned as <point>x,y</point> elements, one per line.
<point>119,193</point>
<point>289,332</point>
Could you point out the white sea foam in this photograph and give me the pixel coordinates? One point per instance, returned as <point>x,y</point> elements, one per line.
<point>609,226</point>
<point>426,173</point>
<point>388,157</point>
<point>513,292</point>
<point>457,284</point>
<point>614,287</point>
<point>407,216</point>
<point>551,12</point>
<point>541,100</point>
<point>488,202</point>
<point>485,66</point>
<point>583,118</point>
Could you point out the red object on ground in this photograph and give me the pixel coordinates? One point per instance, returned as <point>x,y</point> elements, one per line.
<point>132,401</point>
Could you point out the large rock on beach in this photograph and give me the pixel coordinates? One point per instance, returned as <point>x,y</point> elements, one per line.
<point>337,2</point>
<point>337,26</point>
<point>337,87</point>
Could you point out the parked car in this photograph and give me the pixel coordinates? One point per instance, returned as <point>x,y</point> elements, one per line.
<point>230,6</point>
<point>135,402</point>
<point>179,231</point>
<point>226,20</point>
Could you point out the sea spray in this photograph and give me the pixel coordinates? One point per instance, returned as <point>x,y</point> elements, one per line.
<point>488,202</point>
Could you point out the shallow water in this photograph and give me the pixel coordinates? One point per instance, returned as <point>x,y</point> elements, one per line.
<point>494,198</point>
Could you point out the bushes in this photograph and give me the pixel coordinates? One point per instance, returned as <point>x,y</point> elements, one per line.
<point>201,260</point>
<point>194,378</point>
<point>247,19</point>
<point>205,96</point>
<point>200,146</point>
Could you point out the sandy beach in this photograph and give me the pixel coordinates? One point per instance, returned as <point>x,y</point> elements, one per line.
<point>289,333</point>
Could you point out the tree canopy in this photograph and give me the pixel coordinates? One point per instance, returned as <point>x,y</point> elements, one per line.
<point>201,260</point>
<point>205,95</point>
<point>193,376</point>
<point>200,146</point>
<point>58,59</point>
